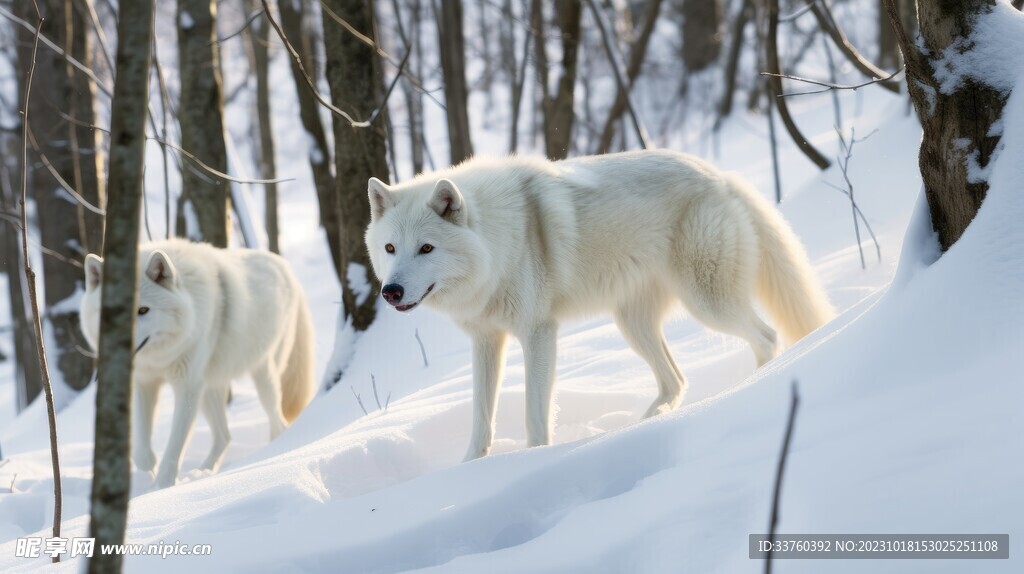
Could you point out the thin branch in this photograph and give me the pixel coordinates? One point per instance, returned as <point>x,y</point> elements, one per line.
<point>830,85</point>
<point>422,350</point>
<point>56,175</point>
<point>376,397</point>
<point>30,277</point>
<point>51,45</point>
<point>828,23</point>
<point>774,522</point>
<point>359,400</point>
<point>620,81</point>
<point>248,22</point>
<point>775,84</point>
<point>312,85</point>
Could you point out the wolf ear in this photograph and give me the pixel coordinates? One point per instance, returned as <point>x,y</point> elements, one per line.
<point>93,272</point>
<point>381,198</point>
<point>447,201</point>
<point>161,271</point>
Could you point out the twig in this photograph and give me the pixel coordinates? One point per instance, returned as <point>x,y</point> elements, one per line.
<point>30,277</point>
<point>422,350</point>
<point>794,403</point>
<point>51,45</point>
<point>620,81</point>
<point>359,400</point>
<point>828,23</point>
<point>829,85</point>
<point>56,175</point>
<point>844,162</point>
<point>312,85</point>
<point>376,398</point>
<point>11,487</point>
<point>248,22</point>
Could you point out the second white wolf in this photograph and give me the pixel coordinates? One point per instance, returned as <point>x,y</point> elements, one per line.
<point>515,245</point>
<point>205,317</point>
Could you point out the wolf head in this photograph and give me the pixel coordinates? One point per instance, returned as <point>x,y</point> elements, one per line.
<point>420,242</point>
<point>163,318</point>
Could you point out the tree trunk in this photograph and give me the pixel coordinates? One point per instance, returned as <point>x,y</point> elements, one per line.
<point>558,109</point>
<point>28,382</point>
<point>702,34</point>
<point>732,63</point>
<point>453,66</point>
<point>353,72</point>
<point>200,112</point>
<point>888,51</point>
<point>259,38</point>
<point>292,17</point>
<point>957,122</point>
<point>63,153</point>
<point>111,468</point>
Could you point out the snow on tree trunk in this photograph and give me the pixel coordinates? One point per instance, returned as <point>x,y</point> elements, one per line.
<point>959,107</point>
<point>359,153</point>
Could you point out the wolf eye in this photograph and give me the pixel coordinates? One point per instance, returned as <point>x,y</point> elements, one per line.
<point>143,310</point>
<point>427,248</point>
<point>389,248</point>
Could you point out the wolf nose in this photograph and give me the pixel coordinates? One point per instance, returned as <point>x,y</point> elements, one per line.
<point>392,293</point>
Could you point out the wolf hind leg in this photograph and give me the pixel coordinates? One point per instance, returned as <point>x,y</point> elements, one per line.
<point>215,409</point>
<point>268,387</point>
<point>734,315</point>
<point>640,322</point>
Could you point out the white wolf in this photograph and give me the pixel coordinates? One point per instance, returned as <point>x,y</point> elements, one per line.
<point>515,245</point>
<point>206,316</point>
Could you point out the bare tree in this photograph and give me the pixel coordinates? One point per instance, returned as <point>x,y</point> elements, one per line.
<point>453,66</point>
<point>259,38</point>
<point>739,25</point>
<point>353,72</point>
<point>111,467</point>
<point>200,113</point>
<point>293,16</point>
<point>957,121</point>
<point>702,36</point>
<point>64,178</point>
<point>557,109</point>
<point>636,61</point>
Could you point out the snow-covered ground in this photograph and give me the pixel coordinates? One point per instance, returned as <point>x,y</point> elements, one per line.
<point>909,418</point>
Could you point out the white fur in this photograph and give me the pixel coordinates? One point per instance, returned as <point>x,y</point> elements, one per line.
<point>214,315</point>
<point>520,244</point>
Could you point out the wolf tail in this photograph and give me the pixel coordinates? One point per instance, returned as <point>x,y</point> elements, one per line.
<point>297,381</point>
<point>787,286</point>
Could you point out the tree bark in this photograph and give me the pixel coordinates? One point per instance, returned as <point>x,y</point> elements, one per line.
<point>292,17</point>
<point>702,37</point>
<point>65,153</point>
<point>353,72</point>
<point>888,50</point>
<point>456,92</point>
<point>111,467</point>
<point>259,39</point>
<point>732,63</point>
<point>957,123</point>
<point>558,114</point>
<point>200,113</point>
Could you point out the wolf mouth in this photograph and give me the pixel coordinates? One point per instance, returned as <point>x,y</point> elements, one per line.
<point>404,308</point>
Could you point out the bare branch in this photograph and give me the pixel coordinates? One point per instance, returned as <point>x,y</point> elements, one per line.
<point>30,277</point>
<point>422,350</point>
<point>898,74</point>
<point>828,23</point>
<point>774,522</point>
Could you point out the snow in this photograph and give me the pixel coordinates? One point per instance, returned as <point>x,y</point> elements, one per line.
<point>909,418</point>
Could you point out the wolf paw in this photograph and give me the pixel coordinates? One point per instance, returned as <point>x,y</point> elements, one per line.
<point>475,453</point>
<point>144,459</point>
<point>166,478</point>
<point>659,408</point>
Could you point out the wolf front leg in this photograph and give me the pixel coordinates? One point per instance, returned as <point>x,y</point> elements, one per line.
<point>488,364</point>
<point>146,395</point>
<point>539,350</point>
<point>186,404</point>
